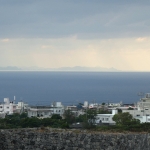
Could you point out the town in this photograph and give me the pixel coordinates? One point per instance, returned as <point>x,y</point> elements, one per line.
<point>139,110</point>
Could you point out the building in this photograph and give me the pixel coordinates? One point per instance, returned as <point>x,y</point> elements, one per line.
<point>46,111</point>
<point>106,118</point>
<point>57,108</point>
<point>21,107</point>
<point>144,103</point>
<point>142,110</point>
<point>8,107</point>
<point>40,111</point>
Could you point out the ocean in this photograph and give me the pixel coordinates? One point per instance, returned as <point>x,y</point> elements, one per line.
<point>43,88</point>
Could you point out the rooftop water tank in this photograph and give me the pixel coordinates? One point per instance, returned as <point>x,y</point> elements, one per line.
<point>6,100</point>
<point>86,103</point>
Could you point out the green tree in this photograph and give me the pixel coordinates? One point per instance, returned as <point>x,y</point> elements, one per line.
<point>81,118</point>
<point>125,119</point>
<point>90,118</point>
<point>69,116</point>
<point>101,111</point>
<point>24,115</point>
<point>56,116</point>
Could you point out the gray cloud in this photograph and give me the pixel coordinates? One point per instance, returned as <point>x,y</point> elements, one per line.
<point>86,18</point>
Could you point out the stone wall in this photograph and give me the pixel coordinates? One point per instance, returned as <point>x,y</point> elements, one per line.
<point>55,139</point>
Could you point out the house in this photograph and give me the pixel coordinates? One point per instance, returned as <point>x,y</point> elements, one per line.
<point>106,118</point>
<point>39,111</point>
<point>46,111</point>
<point>7,107</point>
<point>21,107</point>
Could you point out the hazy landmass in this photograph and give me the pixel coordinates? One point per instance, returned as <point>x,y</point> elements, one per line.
<point>10,68</point>
<point>76,68</point>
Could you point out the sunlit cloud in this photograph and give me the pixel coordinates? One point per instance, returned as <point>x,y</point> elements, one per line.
<point>47,47</point>
<point>5,40</point>
<point>124,54</point>
<point>141,39</point>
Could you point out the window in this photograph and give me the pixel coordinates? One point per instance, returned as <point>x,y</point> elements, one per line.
<point>46,113</point>
<point>137,115</point>
<point>7,107</point>
<point>106,119</point>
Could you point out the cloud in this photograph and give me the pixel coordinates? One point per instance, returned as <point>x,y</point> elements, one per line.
<point>5,40</point>
<point>86,19</point>
<point>122,54</point>
<point>47,47</point>
<point>75,33</point>
<point>141,39</point>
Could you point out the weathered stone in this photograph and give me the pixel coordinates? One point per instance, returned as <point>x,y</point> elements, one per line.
<point>52,139</point>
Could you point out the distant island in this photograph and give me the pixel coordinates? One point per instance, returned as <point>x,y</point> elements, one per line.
<point>74,69</point>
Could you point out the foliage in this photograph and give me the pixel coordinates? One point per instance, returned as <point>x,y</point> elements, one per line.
<point>119,110</point>
<point>81,118</point>
<point>22,121</point>
<point>125,119</point>
<point>69,116</point>
<point>101,111</point>
<point>124,122</point>
<point>103,103</point>
<point>56,116</point>
<point>89,122</point>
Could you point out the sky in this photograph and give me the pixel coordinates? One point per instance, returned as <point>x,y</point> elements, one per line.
<point>68,33</point>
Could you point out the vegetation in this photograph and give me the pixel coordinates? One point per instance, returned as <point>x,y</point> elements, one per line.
<point>22,121</point>
<point>125,119</point>
<point>124,122</point>
<point>69,116</point>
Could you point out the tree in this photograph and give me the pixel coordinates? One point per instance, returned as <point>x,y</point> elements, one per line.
<point>119,110</point>
<point>81,118</point>
<point>90,118</point>
<point>125,119</point>
<point>24,115</point>
<point>101,111</point>
<point>69,116</point>
<point>56,116</point>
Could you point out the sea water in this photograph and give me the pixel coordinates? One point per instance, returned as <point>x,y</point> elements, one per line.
<point>43,88</point>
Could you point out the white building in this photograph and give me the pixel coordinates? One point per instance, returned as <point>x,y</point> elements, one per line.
<point>93,105</point>
<point>144,103</point>
<point>57,108</point>
<point>7,107</point>
<point>21,107</point>
<point>40,111</point>
<point>106,118</point>
<point>142,111</point>
<point>114,104</point>
<point>46,111</point>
